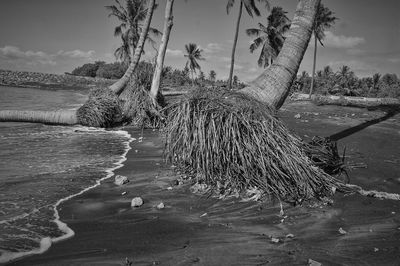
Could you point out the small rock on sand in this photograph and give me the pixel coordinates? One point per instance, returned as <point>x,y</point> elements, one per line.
<point>161,206</point>
<point>341,231</point>
<point>120,180</point>
<point>137,202</point>
<point>274,240</point>
<point>314,263</point>
<point>298,116</point>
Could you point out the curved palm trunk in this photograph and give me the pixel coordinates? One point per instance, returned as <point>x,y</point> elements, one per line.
<point>234,46</point>
<point>314,65</point>
<point>119,86</point>
<point>273,86</point>
<point>61,117</point>
<point>68,117</point>
<point>155,85</point>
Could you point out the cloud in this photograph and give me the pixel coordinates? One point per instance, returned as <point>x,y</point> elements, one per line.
<point>341,41</point>
<point>394,60</point>
<point>16,56</point>
<point>174,53</point>
<point>213,48</point>
<point>76,54</point>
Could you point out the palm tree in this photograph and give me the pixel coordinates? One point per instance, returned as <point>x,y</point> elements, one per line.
<point>212,75</point>
<point>251,8</point>
<point>375,81</point>
<point>270,38</point>
<point>155,85</point>
<point>193,53</point>
<point>131,17</point>
<point>68,117</point>
<point>323,21</point>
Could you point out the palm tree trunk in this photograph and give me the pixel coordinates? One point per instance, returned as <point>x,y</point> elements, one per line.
<point>155,85</point>
<point>314,64</point>
<point>118,86</point>
<point>234,46</point>
<point>60,117</point>
<point>273,86</point>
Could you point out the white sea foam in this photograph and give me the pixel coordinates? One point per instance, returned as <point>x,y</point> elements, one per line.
<point>46,242</point>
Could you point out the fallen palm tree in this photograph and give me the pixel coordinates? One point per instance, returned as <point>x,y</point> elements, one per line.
<point>235,140</point>
<point>362,102</point>
<point>103,108</point>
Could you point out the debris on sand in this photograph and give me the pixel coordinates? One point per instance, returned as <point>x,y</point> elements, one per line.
<point>298,116</point>
<point>314,263</point>
<point>290,236</point>
<point>274,240</point>
<point>342,232</point>
<point>161,206</point>
<point>137,202</point>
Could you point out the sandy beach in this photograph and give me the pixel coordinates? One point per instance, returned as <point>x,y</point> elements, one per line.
<point>196,229</point>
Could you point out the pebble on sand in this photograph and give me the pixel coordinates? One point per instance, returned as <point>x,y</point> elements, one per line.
<point>137,202</point>
<point>120,180</point>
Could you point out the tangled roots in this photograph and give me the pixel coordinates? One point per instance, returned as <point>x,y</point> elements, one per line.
<point>102,109</point>
<point>236,142</point>
<point>137,106</point>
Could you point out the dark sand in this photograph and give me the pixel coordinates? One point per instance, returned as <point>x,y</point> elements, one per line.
<point>196,230</point>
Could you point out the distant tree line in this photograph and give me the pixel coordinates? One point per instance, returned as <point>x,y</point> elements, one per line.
<point>345,82</point>
<point>170,77</point>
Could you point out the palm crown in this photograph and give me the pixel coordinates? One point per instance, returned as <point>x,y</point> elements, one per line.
<point>131,17</point>
<point>193,53</point>
<point>323,21</point>
<point>249,5</point>
<point>270,38</point>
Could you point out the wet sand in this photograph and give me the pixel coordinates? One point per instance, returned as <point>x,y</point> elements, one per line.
<point>195,229</point>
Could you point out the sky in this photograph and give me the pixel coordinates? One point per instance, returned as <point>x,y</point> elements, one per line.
<point>55,36</point>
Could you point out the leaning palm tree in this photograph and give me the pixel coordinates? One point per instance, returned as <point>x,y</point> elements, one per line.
<point>131,17</point>
<point>102,109</point>
<point>155,85</point>
<point>323,21</point>
<point>269,38</point>
<point>233,141</point>
<point>193,53</point>
<point>251,8</point>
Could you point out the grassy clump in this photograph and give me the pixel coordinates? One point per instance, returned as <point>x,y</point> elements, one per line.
<point>234,141</point>
<point>102,109</point>
<point>137,106</point>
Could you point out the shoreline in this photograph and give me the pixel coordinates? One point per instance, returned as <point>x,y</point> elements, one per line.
<point>196,229</point>
<point>47,242</point>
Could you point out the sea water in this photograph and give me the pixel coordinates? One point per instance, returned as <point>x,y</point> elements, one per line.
<point>41,166</point>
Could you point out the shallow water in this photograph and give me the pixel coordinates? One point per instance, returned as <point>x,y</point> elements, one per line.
<point>41,165</point>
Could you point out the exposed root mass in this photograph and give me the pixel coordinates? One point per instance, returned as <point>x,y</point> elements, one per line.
<point>236,142</point>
